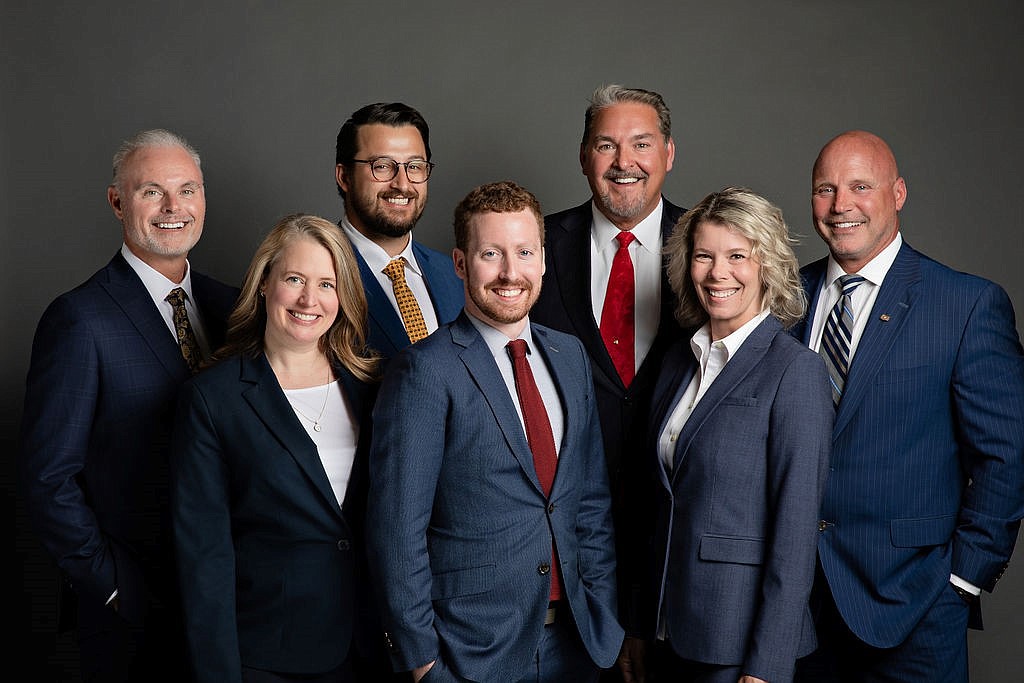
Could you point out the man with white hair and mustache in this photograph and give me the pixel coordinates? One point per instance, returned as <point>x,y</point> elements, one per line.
<point>606,283</point>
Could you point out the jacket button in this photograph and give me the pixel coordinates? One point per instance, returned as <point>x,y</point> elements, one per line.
<point>543,568</point>
<point>344,544</point>
<point>551,508</point>
<point>822,525</point>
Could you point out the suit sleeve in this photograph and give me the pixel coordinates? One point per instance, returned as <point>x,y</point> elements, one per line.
<point>61,401</point>
<point>799,442</point>
<point>201,519</point>
<point>405,463</point>
<point>988,396</point>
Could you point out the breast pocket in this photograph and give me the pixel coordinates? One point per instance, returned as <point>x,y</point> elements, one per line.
<point>734,549</point>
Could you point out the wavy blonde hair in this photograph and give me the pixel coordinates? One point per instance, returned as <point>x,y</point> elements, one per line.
<point>345,342</point>
<point>759,221</point>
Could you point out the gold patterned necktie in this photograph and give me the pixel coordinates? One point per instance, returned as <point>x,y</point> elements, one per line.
<point>183,329</point>
<point>415,327</point>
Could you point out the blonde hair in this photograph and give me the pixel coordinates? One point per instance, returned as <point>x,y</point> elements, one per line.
<point>345,342</point>
<point>759,221</point>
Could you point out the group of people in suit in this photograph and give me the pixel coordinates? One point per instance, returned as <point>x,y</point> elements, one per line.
<point>621,442</point>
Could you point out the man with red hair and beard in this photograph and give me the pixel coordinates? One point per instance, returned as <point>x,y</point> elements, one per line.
<point>493,544</point>
<point>383,165</point>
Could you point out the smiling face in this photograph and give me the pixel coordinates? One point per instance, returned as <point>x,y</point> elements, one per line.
<point>726,277</point>
<point>301,296</point>
<point>502,268</point>
<point>856,196</point>
<point>626,159</point>
<point>160,201</point>
<point>384,211</point>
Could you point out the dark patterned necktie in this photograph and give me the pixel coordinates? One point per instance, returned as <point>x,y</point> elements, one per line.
<point>412,316</point>
<point>538,435</point>
<point>838,336</point>
<point>183,329</point>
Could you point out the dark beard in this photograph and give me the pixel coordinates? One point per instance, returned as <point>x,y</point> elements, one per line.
<point>376,222</point>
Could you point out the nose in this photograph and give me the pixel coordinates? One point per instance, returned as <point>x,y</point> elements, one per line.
<point>719,269</point>
<point>509,271</point>
<point>841,200</point>
<point>623,157</point>
<point>401,180</point>
<point>169,202</point>
<point>308,294</point>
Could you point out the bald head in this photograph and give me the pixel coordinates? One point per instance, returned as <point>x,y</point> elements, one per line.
<point>856,196</point>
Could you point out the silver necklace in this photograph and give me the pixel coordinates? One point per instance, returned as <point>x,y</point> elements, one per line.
<point>327,394</point>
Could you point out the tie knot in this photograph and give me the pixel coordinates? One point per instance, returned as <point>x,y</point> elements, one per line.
<point>176,297</point>
<point>625,237</point>
<point>850,283</point>
<point>395,269</point>
<point>517,349</point>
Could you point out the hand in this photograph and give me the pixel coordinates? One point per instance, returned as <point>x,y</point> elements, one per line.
<point>751,679</point>
<point>421,671</point>
<point>632,660</point>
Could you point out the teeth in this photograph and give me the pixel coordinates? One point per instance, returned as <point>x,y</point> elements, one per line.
<point>170,226</point>
<point>508,292</point>
<point>308,317</point>
<point>626,181</point>
<point>400,201</point>
<point>851,224</point>
<point>724,294</point>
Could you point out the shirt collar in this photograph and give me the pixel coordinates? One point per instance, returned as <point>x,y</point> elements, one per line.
<point>155,282</point>
<point>874,271</point>
<point>700,344</point>
<point>647,231</point>
<point>374,255</point>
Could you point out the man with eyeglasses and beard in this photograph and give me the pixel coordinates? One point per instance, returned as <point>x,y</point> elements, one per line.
<point>383,165</point>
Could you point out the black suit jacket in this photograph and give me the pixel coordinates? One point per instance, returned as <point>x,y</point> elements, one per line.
<point>565,304</point>
<point>101,388</point>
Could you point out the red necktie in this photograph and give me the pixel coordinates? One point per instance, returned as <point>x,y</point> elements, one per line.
<point>538,434</point>
<point>619,312</point>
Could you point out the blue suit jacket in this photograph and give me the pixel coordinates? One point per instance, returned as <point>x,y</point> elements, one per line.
<point>386,330</point>
<point>462,532</point>
<point>737,517</point>
<point>928,447</point>
<point>99,403</point>
<point>272,567</point>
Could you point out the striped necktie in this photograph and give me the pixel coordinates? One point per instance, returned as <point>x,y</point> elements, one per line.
<point>838,335</point>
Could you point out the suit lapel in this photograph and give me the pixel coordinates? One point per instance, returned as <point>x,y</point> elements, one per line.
<point>812,278</point>
<point>667,393</point>
<point>381,313</point>
<point>750,353</point>
<point>476,356</point>
<point>437,273</point>
<point>128,292</point>
<point>888,315</point>
<point>265,396</point>
<point>563,375</point>
<point>571,260</point>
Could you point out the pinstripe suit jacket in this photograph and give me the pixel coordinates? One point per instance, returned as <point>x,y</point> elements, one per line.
<point>927,474</point>
<point>461,529</point>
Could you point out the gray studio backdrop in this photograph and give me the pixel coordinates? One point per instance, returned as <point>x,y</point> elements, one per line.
<point>260,88</point>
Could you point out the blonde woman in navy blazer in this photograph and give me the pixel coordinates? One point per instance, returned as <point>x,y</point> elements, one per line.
<point>269,473</point>
<point>738,457</point>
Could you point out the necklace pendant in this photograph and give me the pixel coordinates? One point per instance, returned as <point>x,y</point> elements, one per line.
<point>316,426</point>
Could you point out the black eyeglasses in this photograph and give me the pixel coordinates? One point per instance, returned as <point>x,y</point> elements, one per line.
<point>385,169</point>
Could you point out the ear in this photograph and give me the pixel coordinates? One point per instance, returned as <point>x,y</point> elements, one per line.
<point>114,199</point>
<point>341,175</point>
<point>900,190</point>
<point>459,259</point>
<point>671,154</point>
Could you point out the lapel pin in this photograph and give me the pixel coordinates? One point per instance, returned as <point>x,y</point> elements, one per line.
<point>884,317</point>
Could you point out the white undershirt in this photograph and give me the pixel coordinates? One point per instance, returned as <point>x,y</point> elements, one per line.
<point>339,432</point>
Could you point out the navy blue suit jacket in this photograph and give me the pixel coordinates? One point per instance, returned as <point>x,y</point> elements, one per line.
<point>462,531</point>
<point>99,403</point>
<point>928,447</point>
<point>272,568</point>
<point>737,517</point>
<point>386,330</point>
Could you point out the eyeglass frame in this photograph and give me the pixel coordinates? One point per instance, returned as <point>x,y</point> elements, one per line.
<point>430,168</point>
